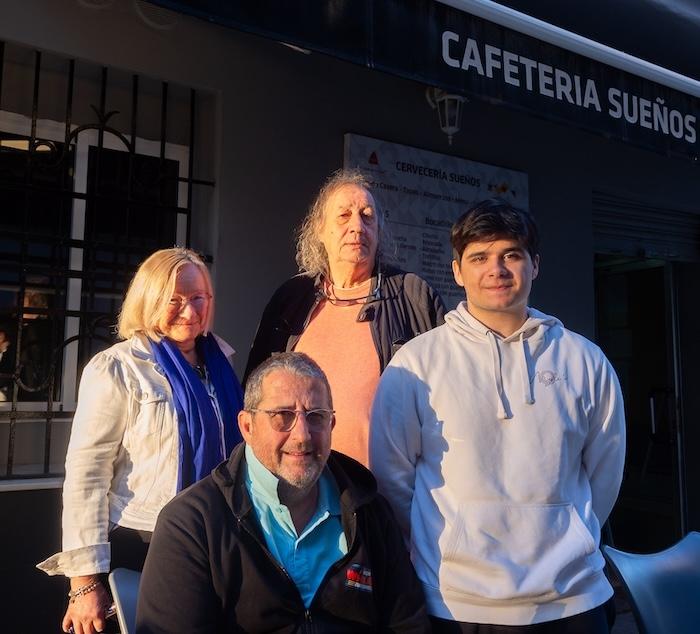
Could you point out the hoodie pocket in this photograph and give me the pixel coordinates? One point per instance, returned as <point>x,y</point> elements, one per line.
<point>500,551</point>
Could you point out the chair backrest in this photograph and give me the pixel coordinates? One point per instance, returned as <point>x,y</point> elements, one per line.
<point>124,584</point>
<point>663,588</point>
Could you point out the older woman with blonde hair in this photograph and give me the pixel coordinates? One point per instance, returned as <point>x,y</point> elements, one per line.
<point>156,413</point>
<point>349,308</point>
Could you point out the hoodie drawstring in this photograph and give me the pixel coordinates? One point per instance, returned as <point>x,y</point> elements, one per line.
<point>503,409</point>
<point>522,348</point>
<point>524,374</point>
<point>498,379</point>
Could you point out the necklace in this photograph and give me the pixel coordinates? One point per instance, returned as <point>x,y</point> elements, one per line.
<point>201,370</point>
<point>329,293</point>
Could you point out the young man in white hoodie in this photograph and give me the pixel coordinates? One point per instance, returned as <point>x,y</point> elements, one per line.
<point>499,439</point>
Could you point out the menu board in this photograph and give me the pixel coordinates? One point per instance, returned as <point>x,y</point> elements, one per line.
<point>421,194</point>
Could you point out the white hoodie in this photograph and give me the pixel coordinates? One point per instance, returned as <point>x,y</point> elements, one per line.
<point>501,457</point>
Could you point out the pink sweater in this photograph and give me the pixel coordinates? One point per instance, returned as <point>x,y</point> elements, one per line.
<point>344,349</point>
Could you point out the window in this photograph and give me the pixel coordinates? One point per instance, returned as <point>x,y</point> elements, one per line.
<point>82,205</point>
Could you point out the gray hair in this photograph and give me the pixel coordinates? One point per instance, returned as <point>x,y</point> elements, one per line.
<point>295,362</point>
<point>311,254</point>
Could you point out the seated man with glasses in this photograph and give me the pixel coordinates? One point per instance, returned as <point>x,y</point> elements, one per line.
<point>285,535</point>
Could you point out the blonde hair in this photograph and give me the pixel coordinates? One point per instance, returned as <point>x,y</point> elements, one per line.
<point>146,301</point>
<point>311,254</point>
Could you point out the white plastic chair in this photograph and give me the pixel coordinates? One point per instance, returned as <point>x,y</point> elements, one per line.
<point>663,588</point>
<point>124,584</point>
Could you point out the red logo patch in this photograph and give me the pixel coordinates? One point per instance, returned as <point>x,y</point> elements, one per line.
<point>359,577</point>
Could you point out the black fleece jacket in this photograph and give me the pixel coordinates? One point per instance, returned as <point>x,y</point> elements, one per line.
<point>404,307</point>
<point>208,569</point>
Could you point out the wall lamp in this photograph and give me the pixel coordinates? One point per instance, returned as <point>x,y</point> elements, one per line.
<point>449,109</point>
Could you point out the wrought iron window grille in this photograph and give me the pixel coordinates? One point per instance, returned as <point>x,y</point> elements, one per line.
<point>83,201</point>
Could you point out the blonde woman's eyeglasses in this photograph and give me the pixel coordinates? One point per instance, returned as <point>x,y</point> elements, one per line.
<point>198,301</point>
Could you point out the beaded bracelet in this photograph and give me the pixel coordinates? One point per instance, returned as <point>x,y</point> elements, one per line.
<point>83,590</point>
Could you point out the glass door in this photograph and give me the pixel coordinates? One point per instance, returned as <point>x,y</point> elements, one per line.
<point>636,328</point>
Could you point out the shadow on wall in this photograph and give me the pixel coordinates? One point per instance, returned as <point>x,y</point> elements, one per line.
<point>31,531</point>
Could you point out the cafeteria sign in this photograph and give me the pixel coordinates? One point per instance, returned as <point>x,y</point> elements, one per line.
<point>491,62</point>
<point>439,45</point>
<point>463,53</point>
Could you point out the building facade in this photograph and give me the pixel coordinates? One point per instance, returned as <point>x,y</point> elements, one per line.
<point>220,138</point>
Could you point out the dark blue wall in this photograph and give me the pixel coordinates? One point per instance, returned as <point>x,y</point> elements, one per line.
<point>31,531</point>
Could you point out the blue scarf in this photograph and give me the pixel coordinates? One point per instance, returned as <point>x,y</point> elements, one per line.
<point>200,437</point>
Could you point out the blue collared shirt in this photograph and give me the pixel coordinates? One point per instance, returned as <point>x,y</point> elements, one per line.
<point>306,557</point>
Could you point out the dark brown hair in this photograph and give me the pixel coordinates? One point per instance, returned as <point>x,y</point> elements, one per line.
<point>494,219</point>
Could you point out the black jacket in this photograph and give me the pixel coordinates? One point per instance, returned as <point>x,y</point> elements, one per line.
<point>208,569</point>
<point>405,306</point>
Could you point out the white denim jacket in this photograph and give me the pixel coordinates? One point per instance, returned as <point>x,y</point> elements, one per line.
<point>122,459</point>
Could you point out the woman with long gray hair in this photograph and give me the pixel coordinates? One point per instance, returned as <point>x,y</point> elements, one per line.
<point>348,309</point>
